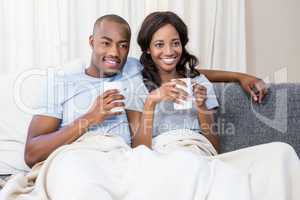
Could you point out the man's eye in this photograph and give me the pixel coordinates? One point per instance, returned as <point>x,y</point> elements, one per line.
<point>104,43</point>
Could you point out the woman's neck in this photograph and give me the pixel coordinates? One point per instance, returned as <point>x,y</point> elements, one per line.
<point>168,76</point>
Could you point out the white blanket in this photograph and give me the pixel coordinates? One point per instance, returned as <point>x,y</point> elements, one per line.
<point>105,167</point>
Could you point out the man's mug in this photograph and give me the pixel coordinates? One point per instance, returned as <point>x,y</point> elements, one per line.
<point>115,85</point>
<point>188,103</point>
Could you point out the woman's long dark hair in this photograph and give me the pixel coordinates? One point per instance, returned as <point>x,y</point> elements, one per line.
<point>153,22</point>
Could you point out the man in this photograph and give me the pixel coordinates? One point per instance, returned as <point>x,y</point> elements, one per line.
<point>84,106</point>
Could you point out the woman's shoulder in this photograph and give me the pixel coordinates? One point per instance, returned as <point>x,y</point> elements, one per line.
<point>201,79</point>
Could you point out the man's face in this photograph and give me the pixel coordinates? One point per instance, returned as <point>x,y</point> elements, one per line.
<point>110,47</point>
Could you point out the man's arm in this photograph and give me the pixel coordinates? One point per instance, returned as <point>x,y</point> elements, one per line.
<point>252,85</point>
<point>44,136</point>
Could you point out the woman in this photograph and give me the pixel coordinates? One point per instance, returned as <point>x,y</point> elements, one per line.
<point>162,38</point>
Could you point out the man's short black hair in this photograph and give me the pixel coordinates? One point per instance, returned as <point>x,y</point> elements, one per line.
<point>113,18</point>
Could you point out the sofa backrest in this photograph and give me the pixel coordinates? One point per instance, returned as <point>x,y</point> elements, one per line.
<point>18,95</point>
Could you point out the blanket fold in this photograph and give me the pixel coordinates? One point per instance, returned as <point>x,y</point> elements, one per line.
<point>182,165</point>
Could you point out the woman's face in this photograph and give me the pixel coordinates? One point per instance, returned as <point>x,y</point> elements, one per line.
<point>165,48</point>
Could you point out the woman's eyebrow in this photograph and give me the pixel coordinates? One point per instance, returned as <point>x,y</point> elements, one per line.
<point>123,41</point>
<point>158,41</point>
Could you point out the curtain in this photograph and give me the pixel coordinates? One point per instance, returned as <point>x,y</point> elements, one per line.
<point>43,33</point>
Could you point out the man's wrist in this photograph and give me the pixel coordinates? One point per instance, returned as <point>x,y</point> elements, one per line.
<point>88,120</point>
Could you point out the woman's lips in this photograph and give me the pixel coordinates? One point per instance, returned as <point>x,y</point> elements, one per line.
<point>168,61</point>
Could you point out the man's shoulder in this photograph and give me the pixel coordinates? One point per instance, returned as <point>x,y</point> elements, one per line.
<point>132,67</point>
<point>74,77</point>
<point>70,78</point>
<point>132,60</point>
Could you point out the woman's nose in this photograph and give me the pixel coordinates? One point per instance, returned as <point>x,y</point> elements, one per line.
<point>168,50</point>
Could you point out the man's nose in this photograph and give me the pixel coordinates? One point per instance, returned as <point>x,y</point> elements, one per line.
<point>114,50</point>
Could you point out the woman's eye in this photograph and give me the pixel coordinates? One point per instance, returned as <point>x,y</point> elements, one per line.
<point>159,45</point>
<point>124,46</point>
<point>176,44</point>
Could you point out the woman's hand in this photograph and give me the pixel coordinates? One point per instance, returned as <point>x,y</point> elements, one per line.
<point>200,94</point>
<point>257,88</point>
<point>169,92</point>
<point>252,85</point>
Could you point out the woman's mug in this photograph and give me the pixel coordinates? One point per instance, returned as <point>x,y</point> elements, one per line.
<point>188,103</point>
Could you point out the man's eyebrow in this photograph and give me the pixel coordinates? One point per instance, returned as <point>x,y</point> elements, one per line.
<point>109,39</point>
<point>106,38</point>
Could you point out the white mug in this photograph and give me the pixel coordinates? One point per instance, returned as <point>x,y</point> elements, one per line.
<point>188,103</point>
<point>115,85</point>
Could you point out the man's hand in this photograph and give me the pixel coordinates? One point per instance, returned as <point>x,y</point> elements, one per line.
<point>257,88</point>
<point>103,105</point>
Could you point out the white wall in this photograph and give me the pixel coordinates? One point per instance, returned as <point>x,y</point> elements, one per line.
<point>273,39</point>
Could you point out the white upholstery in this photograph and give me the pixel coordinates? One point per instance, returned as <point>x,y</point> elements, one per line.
<point>17,93</point>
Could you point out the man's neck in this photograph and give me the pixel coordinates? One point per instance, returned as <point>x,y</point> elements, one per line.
<point>94,72</point>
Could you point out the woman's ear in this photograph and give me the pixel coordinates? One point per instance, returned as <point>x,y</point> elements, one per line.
<point>148,51</point>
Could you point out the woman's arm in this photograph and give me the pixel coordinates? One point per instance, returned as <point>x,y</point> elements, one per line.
<point>220,76</point>
<point>205,116</point>
<point>142,133</point>
<point>206,120</point>
<point>141,124</point>
<point>256,87</point>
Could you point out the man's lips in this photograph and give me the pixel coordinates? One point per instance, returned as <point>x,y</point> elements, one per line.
<point>111,62</point>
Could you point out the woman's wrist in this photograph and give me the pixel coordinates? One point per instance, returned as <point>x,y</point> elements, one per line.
<point>150,103</point>
<point>239,77</point>
<point>202,108</point>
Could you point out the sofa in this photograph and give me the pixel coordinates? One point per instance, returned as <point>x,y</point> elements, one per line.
<point>239,122</point>
<point>242,123</point>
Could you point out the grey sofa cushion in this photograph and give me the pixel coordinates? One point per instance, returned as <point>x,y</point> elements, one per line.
<point>242,123</point>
